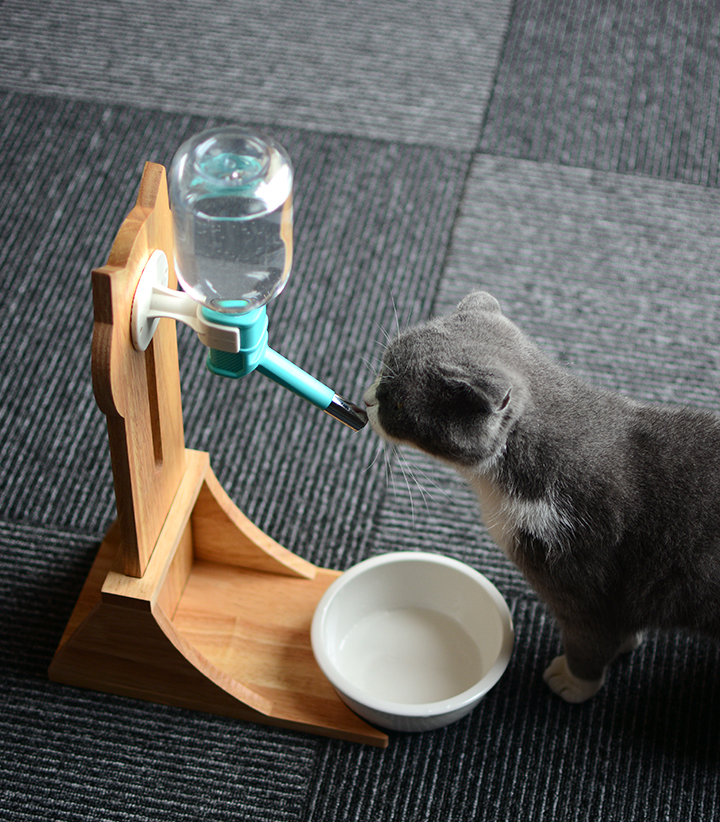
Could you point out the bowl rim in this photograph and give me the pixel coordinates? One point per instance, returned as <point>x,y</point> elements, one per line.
<point>408,709</point>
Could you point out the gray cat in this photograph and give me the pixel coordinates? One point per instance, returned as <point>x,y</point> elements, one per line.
<point>610,508</point>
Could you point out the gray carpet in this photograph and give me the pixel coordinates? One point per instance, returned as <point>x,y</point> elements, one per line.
<point>418,71</point>
<point>562,154</point>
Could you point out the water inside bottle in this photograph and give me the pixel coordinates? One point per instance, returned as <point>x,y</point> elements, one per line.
<point>232,260</point>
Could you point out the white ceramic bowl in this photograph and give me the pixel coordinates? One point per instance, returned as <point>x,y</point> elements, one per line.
<point>412,641</point>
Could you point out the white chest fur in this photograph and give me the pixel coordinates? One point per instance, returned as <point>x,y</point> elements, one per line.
<point>505,515</point>
<point>495,507</point>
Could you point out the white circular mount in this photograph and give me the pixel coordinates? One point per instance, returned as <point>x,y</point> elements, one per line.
<point>141,325</point>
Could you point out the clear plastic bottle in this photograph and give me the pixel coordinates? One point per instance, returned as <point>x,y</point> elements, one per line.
<point>231,199</point>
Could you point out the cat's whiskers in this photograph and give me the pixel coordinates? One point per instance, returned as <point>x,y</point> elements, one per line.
<point>407,469</point>
<point>407,483</point>
<point>388,337</point>
<point>373,365</point>
<point>389,473</point>
<point>379,450</point>
<point>431,481</point>
<point>410,472</point>
<point>395,312</point>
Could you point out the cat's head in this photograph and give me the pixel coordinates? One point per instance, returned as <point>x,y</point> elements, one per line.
<point>452,386</point>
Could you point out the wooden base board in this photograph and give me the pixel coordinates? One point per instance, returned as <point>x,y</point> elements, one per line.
<point>207,635</point>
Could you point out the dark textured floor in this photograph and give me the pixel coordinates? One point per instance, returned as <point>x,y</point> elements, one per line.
<point>560,153</point>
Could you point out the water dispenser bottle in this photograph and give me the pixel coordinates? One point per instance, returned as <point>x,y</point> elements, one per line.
<point>231,196</point>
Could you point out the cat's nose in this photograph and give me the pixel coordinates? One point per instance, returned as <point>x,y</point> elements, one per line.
<point>369,397</point>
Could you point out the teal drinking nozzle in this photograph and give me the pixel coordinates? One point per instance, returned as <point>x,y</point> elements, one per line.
<point>256,354</point>
<point>231,199</point>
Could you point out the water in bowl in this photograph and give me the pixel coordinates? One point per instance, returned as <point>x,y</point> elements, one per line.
<point>410,655</point>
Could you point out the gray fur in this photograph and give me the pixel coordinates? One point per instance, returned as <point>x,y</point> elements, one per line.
<point>610,508</point>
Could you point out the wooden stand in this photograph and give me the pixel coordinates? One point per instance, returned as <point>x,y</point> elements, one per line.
<point>188,603</point>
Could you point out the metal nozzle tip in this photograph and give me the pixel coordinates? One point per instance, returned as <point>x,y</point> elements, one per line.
<point>347,412</point>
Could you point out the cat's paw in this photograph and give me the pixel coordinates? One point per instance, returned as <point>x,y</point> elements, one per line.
<point>631,643</point>
<point>565,684</point>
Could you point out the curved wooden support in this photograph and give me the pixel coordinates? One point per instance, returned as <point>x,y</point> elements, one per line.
<point>222,533</point>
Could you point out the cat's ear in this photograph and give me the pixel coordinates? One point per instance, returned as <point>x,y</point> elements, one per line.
<point>479,301</point>
<point>487,392</point>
